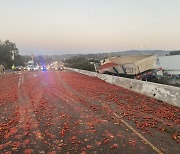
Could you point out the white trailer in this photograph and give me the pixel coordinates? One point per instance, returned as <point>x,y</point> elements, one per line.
<point>170,64</point>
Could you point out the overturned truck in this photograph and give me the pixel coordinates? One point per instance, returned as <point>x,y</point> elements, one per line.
<point>137,66</point>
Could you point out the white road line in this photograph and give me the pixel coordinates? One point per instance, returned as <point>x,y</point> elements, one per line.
<point>139,135</point>
<point>19,82</point>
<point>22,79</point>
<point>24,115</point>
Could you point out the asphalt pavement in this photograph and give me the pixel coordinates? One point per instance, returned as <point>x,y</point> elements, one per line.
<point>67,112</point>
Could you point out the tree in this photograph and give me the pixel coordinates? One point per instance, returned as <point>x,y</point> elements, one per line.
<point>79,63</point>
<point>175,53</point>
<point>7,50</point>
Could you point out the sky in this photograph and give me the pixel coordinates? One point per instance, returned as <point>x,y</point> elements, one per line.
<point>90,26</point>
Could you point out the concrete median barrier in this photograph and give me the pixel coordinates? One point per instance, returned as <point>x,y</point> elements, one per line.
<point>165,93</point>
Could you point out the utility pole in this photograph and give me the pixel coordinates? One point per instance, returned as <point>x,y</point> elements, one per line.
<point>32,57</point>
<point>13,67</point>
<point>13,52</point>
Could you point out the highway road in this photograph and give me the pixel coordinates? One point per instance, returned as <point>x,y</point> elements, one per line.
<point>67,112</point>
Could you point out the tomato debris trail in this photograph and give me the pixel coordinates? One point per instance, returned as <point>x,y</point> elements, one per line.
<point>67,112</point>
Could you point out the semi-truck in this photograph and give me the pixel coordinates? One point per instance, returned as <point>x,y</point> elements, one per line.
<point>141,67</point>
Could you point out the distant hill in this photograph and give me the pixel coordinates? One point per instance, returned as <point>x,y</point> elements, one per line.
<point>63,57</point>
<point>100,56</point>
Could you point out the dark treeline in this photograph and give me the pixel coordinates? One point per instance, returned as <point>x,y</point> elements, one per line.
<point>79,63</point>
<point>175,53</point>
<point>7,49</point>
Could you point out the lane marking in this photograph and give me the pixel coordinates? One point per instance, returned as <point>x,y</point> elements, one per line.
<point>133,130</point>
<point>22,79</point>
<point>19,82</point>
<point>139,135</point>
<point>26,111</point>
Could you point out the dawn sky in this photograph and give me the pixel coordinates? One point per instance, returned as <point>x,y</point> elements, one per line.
<point>90,26</point>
